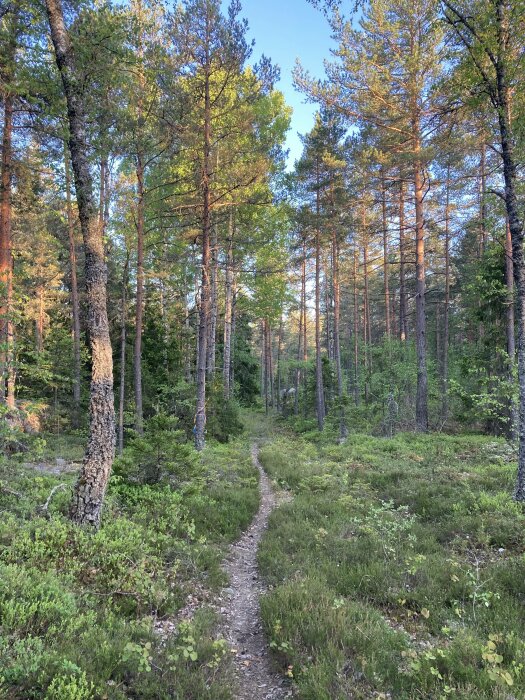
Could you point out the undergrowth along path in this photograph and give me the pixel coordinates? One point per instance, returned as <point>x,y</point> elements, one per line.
<point>254,672</point>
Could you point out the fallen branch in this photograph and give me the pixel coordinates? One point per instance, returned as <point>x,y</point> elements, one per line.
<point>44,508</point>
<point>10,492</point>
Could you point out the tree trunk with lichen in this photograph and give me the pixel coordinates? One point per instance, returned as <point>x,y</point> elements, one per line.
<point>90,489</point>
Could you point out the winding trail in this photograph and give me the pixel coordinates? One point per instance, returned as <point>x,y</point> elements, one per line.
<point>255,674</point>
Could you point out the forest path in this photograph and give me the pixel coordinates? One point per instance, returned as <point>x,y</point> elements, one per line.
<point>254,672</point>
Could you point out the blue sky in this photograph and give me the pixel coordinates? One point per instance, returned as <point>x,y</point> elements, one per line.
<point>285,30</point>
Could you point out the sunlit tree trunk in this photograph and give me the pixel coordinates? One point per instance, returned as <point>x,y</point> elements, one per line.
<point>90,489</point>
<point>319,387</point>
<point>421,349</point>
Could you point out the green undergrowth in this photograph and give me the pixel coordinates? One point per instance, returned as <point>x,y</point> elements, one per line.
<point>77,608</point>
<point>398,569</point>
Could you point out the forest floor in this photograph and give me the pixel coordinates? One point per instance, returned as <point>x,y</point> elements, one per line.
<point>398,568</point>
<point>376,569</point>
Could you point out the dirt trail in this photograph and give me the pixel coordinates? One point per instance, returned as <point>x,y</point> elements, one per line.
<point>255,674</point>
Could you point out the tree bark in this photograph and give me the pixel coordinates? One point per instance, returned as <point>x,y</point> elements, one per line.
<point>7,368</point>
<point>319,387</point>
<point>122,387</point>
<point>301,341</point>
<point>279,355</point>
<point>356,331</point>
<point>483,199</point>
<point>7,395</point>
<point>446,311</point>
<point>75,305</point>
<point>403,317</point>
<point>385,256</point>
<point>204,312</point>
<point>228,308</point>
<point>139,300</point>
<point>343,430</point>
<point>421,350</point>
<point>90,489</point>
<point>510,330</point>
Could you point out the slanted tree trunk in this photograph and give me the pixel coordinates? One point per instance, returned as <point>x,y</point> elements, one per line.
<point>75,306</point>
<point>90,489</point>
<point>139,301</point>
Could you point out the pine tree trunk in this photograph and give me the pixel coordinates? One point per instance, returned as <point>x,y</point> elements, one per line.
<point>403,317</point>
<point>305,330</point>
<point>234,321</point>
<point>483,200</point>
<point>264,365</point>
<point>510,330</point>
<point>356,331</point>
<point>385,256</point>
<point>319,387</point>
<point>90,489</point>
<point>269,358</point>
<point>7,395</point>
<point>204,312</point>
<point>228,308</point>
<point>421,350</point>
<point>279,354</point>
<point>446,311</point>
<point>139,299</point>
<point>39,325</point>
<point>122,387</point>
<point>328,309</point>
<point>343,430</point>
<point>212,326</point>
<point>75,305</point>
<point>302,314</point>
